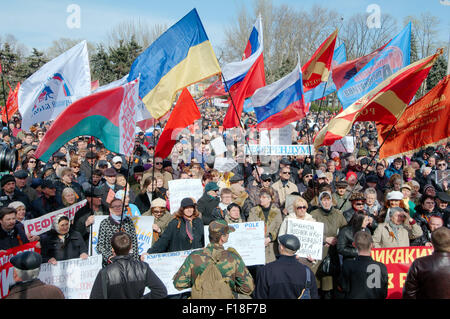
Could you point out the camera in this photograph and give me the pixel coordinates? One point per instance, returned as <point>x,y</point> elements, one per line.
<point>8,158</point>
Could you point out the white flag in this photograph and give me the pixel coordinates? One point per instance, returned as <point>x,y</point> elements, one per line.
<point>56,85</point>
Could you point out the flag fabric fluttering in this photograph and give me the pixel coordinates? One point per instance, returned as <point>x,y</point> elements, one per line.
<point>108,115</point>
<point>181,56</point>
<point>384,104</point>
<point>183,114</point>
<point>243,78</point>
<point>339,56</point>
<point>215,89</point>
<point>317,69</point>
<point>56,85</point>
<point>393,57</point>
<point>11,103</point>
<point>281,102</point>
<point>423,123</point>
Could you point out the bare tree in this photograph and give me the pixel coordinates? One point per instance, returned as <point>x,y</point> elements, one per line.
<point>425,28</point>
<point>143,33</point>
<point>63,44</point>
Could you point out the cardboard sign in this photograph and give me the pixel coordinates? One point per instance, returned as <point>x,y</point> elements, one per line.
<point>182,188</point>
<point>310,235</point>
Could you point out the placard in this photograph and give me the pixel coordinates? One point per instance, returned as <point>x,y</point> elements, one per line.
<point>75,277</point>
<point>182,188</point>
<point>166,265</point>
<point>218,145</point>
<point>223,164</point>
<point>248,240</point>
<point>310,235</point>
<point>344,145</point>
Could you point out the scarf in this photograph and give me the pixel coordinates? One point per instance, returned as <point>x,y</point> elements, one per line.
<point>395,228</point>
<point>189,228</point>
<point>116,218</point>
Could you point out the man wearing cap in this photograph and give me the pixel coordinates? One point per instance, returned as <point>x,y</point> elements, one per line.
<point>26,267</point>
<point>442,199</point>
<point>109,187</point>
<point>117,164</point>
<point>284,187</point>
<point>159,169</point>
<point>285,278</point>
<point>208,202</point>
<point>21,177</point>
<point>9,193</point>
<point>341,194</point>
<point>47,202</point>
<point>229,262</point>
<point>86,165</point>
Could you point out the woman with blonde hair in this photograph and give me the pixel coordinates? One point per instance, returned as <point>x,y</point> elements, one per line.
<point>69,196</point>
<point>300,207</point>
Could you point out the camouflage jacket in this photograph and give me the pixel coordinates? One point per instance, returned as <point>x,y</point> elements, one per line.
<point>230,265</point>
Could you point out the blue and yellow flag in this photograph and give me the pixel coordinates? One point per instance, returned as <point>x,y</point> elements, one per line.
<point>181,56</point>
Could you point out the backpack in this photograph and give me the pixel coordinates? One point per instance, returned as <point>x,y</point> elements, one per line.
<point>210,284</point>
<point>306,292</point>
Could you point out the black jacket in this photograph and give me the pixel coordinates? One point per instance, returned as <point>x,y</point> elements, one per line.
<point>126,278</point>
<point>206,205</point>
<point>364,278</point>
<point>5,200</point>
<point>284,278</point>
<point>143,202</point>
<point>175,238</point>
<point>348,214</point>
<point>53,247</point>
<point>13,239</point>
<point>345,240</point>
<point>421,218</point>
<point>44,205</point>
<point>60,186</point>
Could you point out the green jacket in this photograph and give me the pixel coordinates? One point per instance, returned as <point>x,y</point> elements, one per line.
<point>230,265</point>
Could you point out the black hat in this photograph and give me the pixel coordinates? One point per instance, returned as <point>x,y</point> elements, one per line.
<point>46,183</point>
<point>266,177</point>
<point>186,202</point>
<point>306,171</point>
<point>35,182</point>
<point>21,174</point>
<point>138,169</point>
<point>372,179</point>
<point>364,161</point>
<point>289,241</point>
<point>59,155</point>
<point>443,196</point>
<point>285,161</point>
<point>6,179</point>
<point>167,163</point>
<point>27,260</point>
<point>236,178</point>
<point>90,155</point>
<point>341,184</point>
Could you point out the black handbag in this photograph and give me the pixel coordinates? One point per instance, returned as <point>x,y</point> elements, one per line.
<point>328,267</point>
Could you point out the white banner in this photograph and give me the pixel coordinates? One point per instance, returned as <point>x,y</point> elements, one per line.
<point>279,150</point>
<point>56,85</point>
<point>166,265</point>
<point>182,188</point>
<point>310,235</point>
<point>44,223</point>
<point>344,145</point>
<point>248,240</point>
<point>94,233</point>
<point>218,145</point>
<point>223,164</point>
<point>75,277</point>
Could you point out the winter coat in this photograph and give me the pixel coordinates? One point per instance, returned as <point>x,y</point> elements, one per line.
<point>244,203</point>
<point>52,247</point>
<point>127,278</point>
<point>162,223</point>
<point>43,205</point>
<point>16,238</point>
<point>345,242</point>
<point>383,237</point>
<point>175,237</point>
<point>206,205</point>
<point>34,289</point>
<point>271,228</point>
<point>5,200</point>
<point>283,191</point>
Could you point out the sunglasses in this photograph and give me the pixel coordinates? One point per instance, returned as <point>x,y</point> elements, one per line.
<point>158,163</point>
<point>287,173</point>
<point>158,211</point>
<point>31,161</point>
<point>359,204</point>
<point>63,165</point>
<point>301,207</point>
<point>441,165</point>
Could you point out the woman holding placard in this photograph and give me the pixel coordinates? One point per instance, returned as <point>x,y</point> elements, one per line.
<point>300,207</point>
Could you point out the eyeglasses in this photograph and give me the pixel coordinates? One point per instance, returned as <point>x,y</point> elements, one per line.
<point>301,207</point>
<point>116,206</point>
<point>158,163</point>
<point>359,204</point>
<point>441,165</point>
<point>286,173</point>
<point>31,161</point>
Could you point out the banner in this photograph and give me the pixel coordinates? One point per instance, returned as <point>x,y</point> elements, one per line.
<point>398,261</point>
<point>182,188</point>
<point>75,277</point>
<point>42,224</point>
<point>310,235</point>
<point>94,234</point>
<point>166,265</point>
<point>248,240</point>
<point>423,123</point>
<point>218,145</point>
<point>294,150</point>
<point>6,269</point>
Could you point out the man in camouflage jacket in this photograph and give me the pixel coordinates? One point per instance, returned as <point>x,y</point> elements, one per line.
<point>229,262</point>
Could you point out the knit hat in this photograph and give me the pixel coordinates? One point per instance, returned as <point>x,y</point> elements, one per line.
<point>159,202</point>
<point>6,179</point>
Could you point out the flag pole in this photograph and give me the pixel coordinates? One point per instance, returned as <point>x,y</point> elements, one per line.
<point>126,185</point>
<point>242,127</point>
<point>370,162</point>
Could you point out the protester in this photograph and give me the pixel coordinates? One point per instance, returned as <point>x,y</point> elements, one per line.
<point>126,277</point>
<point>286,278</point>
<point>358,222</point>
<point>235,278</point>
<point>21,213</point>
<point>62,242</point>
<point>362,277</point>
<point>300,207</point>
<point>162,218</point>
<point>12,232</point>
<point>26,268</point>
<point>184,232</point>
<point>208,202</point>
<point>428,276</point>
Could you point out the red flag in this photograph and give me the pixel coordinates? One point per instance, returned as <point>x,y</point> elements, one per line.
<point>1,67</point>
<point>184,114</point>
<point>316,70</point>
<point>94,85</point>
<point>11,103</point>
<point>215,89</point>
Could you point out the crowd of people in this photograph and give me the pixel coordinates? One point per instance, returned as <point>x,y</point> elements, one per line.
<point>397,203</point>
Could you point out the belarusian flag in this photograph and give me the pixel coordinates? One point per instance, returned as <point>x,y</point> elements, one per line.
<point>108,115</point>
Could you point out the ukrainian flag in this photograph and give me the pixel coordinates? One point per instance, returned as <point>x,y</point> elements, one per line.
<point>181,56</point>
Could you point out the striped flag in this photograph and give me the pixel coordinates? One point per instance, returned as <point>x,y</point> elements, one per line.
<point>384,104</point>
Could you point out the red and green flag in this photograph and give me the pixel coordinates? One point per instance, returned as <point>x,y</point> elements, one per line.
<point>108,115</point>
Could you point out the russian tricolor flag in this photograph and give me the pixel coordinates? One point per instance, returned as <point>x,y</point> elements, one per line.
<point>281,102</point>
<point>243,78</point>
